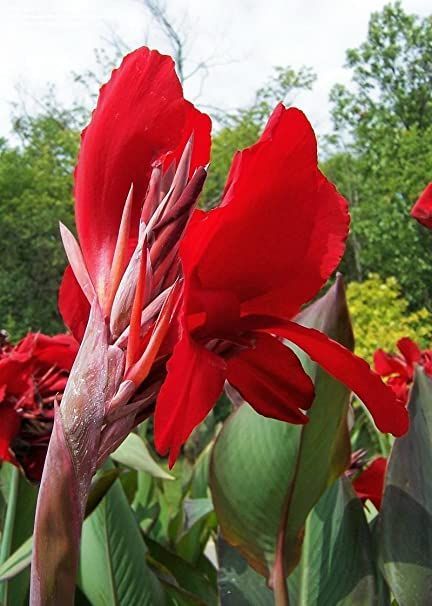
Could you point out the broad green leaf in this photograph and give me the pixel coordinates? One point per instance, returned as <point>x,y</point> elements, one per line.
<point>405,523</point>
<point>133,452</point>
<point>266,475</point>
<point>20,559</point>
<point>113,568</point>
<point>239,584</point>
<point>186,575</point>
<point>337,563</point>
<point>15,590</point>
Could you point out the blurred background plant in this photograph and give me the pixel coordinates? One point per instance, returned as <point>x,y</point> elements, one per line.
<point>380,316</point>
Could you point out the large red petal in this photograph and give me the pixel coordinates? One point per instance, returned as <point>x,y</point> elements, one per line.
<point>73,304</point>
<point>422,209</point>
<point>410,350</point>
<point>388,414</point>
<point>194,382</point>
<point>199,124</point>
<point>388,364</point>
<point>16,374</point>
<point>271,378</point>
<point>281,229</point>
<point>140,116</point>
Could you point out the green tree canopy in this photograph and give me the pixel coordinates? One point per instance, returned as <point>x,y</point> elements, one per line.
<point>382,150</point>
<point>35,194</point>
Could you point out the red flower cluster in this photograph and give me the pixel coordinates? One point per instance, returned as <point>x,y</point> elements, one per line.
<point>32,375</point>
<point>212,292</point>
<point>398,369</point>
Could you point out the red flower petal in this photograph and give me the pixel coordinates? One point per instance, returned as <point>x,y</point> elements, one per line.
<point>281,229</point>
<point>388,364</point>
<point>59,351</point>
<point>73,304</point>
<point>410,350</point>
<point>10,423</point>
<point>16,373</point>
<point>140,116</point>
<point>401,387</point>
<point>370,483</point>
<point>194,382</point>
<point>388,414</point>
<point>271,379</point>
<point>422,209</point>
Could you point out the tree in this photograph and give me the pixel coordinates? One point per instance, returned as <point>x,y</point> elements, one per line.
<point>35,194</point>
<point>382,150</point>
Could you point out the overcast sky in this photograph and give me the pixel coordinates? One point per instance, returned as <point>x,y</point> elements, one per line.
<point>44,41</point>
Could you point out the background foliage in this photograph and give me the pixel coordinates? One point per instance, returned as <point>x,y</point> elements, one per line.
<point>379,154</point>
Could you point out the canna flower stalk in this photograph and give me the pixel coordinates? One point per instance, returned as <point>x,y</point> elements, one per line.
<point>170,303</point>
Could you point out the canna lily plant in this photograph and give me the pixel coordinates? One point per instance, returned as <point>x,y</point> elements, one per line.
<point>171,303</point>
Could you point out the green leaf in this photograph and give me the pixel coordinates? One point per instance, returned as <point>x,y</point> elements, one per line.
<point>199,480</point>
<point>133,452</point>
<point>186,575</point>
<point>113,568</point>
<point>199,520</point>
<point>100,485</point>
<point>195,510</point>
<point>239,584</point>
<point>405,523</point>
<point>266,475</point>
<point>20,522</point>
<point>20,559</point>
<point>336,566</point>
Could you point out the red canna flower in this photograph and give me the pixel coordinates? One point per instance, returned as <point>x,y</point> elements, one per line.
<point>422,209</point>
<point>369,484</point>
<point>249,266</point>
<point>32,375</point>
<point>398,369</point>
<point>246,267</point>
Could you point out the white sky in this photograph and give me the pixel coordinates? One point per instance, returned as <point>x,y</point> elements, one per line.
<point>43,41</point>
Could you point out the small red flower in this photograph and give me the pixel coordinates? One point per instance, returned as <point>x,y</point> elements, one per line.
<point>422,209</point>
<point>32,375</point>
<point>398,369</point>
<point>369,484</point>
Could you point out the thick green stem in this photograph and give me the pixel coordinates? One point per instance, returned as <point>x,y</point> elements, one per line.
<point>7,537</point>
